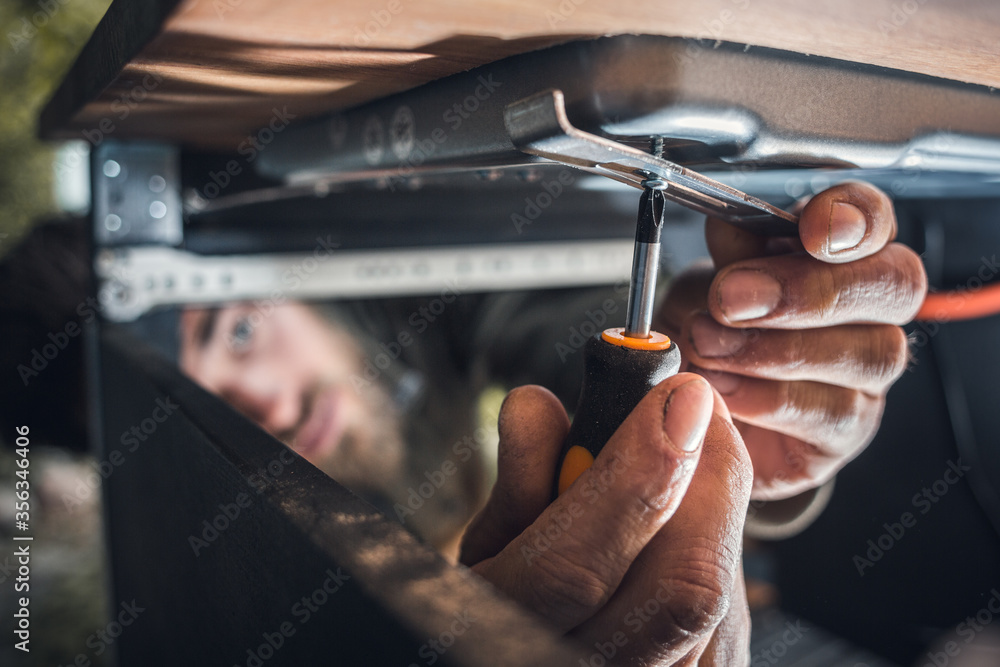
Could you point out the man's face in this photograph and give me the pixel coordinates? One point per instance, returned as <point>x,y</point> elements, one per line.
<point>290,371</point>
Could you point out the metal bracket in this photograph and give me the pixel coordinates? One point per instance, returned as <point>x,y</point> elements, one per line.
<point>538,125</point>
<point>135,280</point>
<point>136,188</point>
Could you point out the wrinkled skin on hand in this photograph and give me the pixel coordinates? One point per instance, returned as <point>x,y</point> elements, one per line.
<point>801,336</point>
<point>644,549</point>
<point>800,339</point>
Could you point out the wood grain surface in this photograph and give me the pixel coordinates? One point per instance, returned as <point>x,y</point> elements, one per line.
<point>209,72</point>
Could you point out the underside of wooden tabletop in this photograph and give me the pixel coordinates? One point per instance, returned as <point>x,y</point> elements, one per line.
<point>206,73</point>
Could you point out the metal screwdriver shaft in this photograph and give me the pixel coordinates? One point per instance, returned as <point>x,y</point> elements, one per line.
<point>621,365</point>
<point>645,264</point>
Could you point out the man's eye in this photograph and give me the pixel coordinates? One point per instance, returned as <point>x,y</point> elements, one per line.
<point>242,335</point>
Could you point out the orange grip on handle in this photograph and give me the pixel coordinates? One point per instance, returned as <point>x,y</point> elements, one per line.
<point>618,372</point>
<point>577,460</point>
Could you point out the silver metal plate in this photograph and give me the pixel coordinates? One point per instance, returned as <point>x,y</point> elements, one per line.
<point>135,280</point>
<point>538,125</point>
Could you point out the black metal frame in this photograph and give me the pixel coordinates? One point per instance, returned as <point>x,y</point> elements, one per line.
<point>218,531</point>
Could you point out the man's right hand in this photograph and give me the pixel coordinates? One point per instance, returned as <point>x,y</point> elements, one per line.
<point>641,556</point>
<point>802,335</point>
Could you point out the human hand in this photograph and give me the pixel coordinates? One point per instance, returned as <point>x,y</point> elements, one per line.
<point>640,559</point>
<point>799,334</point>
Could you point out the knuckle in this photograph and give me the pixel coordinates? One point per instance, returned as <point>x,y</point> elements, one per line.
<point>888,286</point>
<point>910,279</point>
<point>833,289</point>
<point>838,408</point>
<point>735,470</point>
<point>567,587</point>
<point>895,282</point>
<point>652,487</point>
<point>870,416</point>
<point>885,357</point>
<point>844,408</point>
<point>795,350</point>
<point>801,458</point>
<point>697,604</point>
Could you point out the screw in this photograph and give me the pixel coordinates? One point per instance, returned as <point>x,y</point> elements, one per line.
<point>656,146</point>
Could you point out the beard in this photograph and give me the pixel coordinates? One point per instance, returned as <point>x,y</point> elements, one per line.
<point>370,457</point>
<point>374,461</point>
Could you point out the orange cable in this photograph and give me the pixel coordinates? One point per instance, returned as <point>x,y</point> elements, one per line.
<point>961,304</point>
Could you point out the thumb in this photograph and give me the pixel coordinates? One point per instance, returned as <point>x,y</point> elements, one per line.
<point>532,427</point>
<point>571,560</point>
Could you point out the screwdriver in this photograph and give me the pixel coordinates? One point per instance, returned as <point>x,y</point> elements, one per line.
<point>621,365</point>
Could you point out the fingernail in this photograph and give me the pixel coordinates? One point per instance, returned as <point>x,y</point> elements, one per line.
<point>686,415</point>
<point>848,227</point>
<point>712,340</point>
<point>747,294</point>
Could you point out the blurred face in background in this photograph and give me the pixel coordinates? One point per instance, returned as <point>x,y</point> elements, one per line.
<point>297,375</point>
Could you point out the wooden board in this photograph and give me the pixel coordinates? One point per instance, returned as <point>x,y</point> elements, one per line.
<point>209,72</point>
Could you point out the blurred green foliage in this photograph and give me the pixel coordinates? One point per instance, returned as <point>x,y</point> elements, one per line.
<point>40,40</point>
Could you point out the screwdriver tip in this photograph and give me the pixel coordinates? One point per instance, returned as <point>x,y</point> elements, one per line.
<point>650,223</point>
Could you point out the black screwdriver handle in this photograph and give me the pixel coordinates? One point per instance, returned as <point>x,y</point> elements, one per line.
<point>616,378</point>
